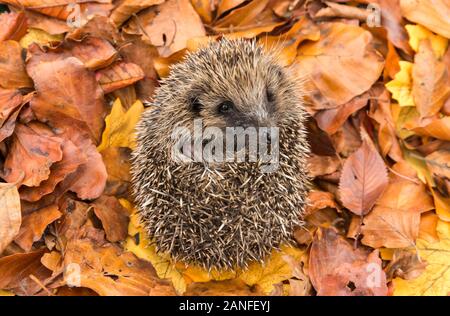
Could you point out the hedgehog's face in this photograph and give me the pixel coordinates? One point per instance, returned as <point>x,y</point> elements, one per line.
<point>238,98</point>
<point>235,84</point>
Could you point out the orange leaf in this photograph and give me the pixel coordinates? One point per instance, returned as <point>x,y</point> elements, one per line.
<point>12,67</point>
<point>34,225</point>
<point>32,152</point>
<point>118,76</point>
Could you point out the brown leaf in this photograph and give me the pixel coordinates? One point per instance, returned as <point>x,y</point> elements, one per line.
<point>89,180</point>
<point>432,14</point>
<point>10,100</point>
<point>322,165</point>
<point>68,95</point>
<point>168,26</point>
<point>333,119</point>
<point>438,163</point>
<point>406,265</point>
<point>335,268</point>
<point>118,76</point>
<point>98,26</point>
<point>105,269</point>
<point>125,9</point>
<point>117,163</point>
<point>95,53</point>
<point>391,228</point>
<point>431,81</point>
<point>395,220</point>
<point>363,178</point>
<point>114,217</point>
<point>334,64</point>
<point>10,215</point>
<point>16,269</point>
<point>428,224</point>
<point>12,67</point>
<point>32,152</point>
<point>34,225</point>
<point>143,55</point>
<point>14,26</point>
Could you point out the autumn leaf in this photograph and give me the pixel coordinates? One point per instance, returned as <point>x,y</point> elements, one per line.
<point>39,148</point>
<point>430,13</point>
<point>14,26</point>
<point>10,215</point>
<point>12,66</point>
<point>401,86</point>
<point>120,125</point>
<point>363,179</point>
<point>332,64</point>
<point>336,268</point>
<point>118,76</point>
<point>168,26</point>
<point>34,225</point>
<point>436,278</point>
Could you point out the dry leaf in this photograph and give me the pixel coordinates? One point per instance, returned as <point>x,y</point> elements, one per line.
<point>334,64</point>
<point>335,268</point>
<point>34,225</point>
<point>363,179</point>
<point>10,215</point>
<point>431,13</point>
<point>12,66</point>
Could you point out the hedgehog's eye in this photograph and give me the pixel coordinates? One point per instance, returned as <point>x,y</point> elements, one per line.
<point>226,107</point>
<point>195,105</point>
<point>270,95</point>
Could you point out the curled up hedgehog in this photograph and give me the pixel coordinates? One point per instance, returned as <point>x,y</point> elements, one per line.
<point>215,210</point>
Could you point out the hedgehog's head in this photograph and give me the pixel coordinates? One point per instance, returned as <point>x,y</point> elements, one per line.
<point>234,83</point>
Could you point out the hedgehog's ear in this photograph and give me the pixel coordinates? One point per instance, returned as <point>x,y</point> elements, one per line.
<point>194,105</point>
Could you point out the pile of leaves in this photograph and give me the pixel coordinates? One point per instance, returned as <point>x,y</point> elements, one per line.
<point>74,78</point>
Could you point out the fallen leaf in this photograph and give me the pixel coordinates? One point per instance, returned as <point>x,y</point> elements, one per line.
<point>16,269</point>
<point>68,95</point>
<point>118,76</point>
<point>435,281</point>
<point>335,268</point>
<point>12,67</point>
<point>10,215</point>
<point>431,13</point>
<point>125,9</point>
<point>406,265</point>
<point>120,125</point>
<point>14,26</point>
<point>114,217</point>
<point>40,37</point>
<point>333,64</point>
<point>168,26</point>
<point>363,178</point>
<point>32,153</point>
<point>401,86</point>
<point>418,33</point>
<point>34,225</point>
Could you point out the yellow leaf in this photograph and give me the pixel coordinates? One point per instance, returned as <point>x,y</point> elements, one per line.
<point>417,33</point>
<point>436,278</point>
<point>400,87</point>
<point>275,269</point>
<point>39,37</point>
<point>6,293</point>
<point>120,125</point>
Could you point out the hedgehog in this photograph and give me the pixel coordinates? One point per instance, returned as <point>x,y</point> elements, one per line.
<point>222,214</point>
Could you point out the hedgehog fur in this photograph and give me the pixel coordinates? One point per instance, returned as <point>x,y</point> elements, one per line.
<point>223,215</point>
